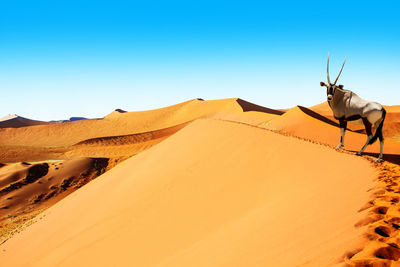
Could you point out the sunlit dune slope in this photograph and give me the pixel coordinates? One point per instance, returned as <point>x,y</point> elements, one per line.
<point>322,108</point>
<point>125,123</point>
<point>302,122</point>
<point>392,122</point>
<point>120,146</point>
<point>213,194</point>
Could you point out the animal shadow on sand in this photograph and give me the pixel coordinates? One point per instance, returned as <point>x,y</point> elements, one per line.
<point>318,116</point>
<point>393,158</point>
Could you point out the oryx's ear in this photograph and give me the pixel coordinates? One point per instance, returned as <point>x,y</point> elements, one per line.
<point>322,84</point>
<point>341,86</point>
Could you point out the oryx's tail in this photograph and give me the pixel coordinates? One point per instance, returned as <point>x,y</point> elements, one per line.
<point>379,129</point>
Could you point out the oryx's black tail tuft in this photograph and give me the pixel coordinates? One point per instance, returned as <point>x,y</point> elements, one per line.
<point>379,129</point>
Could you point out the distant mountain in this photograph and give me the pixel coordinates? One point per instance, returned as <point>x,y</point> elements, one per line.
<point>70,119</point>
<point>77,118</point>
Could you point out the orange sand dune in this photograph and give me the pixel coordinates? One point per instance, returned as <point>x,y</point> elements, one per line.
<point>213,194</point>
<point>13,154</point>
<point>297,122</point>
<point>120,146</point>
<point>120,134</point>
<point>323,108</point>
<point>109,147</point>
<point>119,123</point>
<point>132,138</point>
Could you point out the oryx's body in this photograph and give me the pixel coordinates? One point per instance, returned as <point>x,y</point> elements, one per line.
<point>348,106</point>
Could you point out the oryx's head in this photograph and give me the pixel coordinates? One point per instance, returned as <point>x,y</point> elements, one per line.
<point>331,87</point>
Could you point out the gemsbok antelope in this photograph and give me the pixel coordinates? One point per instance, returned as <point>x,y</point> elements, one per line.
<point>347,106</point>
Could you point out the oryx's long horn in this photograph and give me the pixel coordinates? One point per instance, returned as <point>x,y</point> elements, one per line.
<point>340,70</point>
<point>327,70</point>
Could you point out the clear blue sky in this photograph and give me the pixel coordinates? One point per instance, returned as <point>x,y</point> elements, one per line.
<point>86,58</point>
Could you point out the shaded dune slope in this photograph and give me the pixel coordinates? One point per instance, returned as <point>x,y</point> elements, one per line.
<point>26,189</point>
<point>247,106</point>
<point>213,194</point>
<point>18,122</point>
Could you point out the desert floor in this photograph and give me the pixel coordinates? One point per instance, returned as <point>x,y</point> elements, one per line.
<point>201,183</point>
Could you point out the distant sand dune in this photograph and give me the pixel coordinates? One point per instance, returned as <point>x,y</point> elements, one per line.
<point>18,122</point>
<point>125,123</point>
<point>132,138</point>
<point>120,133</point>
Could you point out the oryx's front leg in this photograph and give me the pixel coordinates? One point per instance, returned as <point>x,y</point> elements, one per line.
<point>343,127</point>
<point>368,129</point>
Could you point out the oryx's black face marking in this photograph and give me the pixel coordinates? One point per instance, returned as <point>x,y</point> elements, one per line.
<point>331,87</point>
<point>330,91</point>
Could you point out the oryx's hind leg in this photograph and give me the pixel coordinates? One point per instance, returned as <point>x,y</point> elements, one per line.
<point>381,140</point>
<point>368,129</point>
<point>343,127</point>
